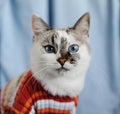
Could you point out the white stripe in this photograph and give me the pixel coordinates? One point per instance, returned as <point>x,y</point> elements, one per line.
<point>32,110</point>
<point>40,104</point>
<point>13,97</point>
<point>17,85</point>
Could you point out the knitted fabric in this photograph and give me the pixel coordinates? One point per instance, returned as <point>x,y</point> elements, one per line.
<point>31,98</point>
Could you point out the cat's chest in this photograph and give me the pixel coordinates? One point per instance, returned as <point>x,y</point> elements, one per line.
<point>52,106</point>
<point>45,103</point>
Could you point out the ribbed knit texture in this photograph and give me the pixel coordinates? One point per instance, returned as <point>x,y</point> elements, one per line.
<point>31,98</point>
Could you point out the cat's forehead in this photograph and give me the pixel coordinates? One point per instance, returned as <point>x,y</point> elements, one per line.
<point>58,36</point>
<point>63,35</point>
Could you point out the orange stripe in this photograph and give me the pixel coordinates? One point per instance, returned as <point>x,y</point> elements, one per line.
<point>16,111</point>
<point>52,111</point>
<point>76,100</point>
<point>11,110</point>
<point>29,101</point>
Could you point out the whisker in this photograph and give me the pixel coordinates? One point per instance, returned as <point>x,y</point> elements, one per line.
<point>43,64</point>
<point>38,61</point>
<point>34,75</point>
<point>37,80</point>
<point>40,70</point>
<point>37,77</point>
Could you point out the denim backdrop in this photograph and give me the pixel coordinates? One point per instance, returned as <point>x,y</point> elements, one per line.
<point>101,94</point>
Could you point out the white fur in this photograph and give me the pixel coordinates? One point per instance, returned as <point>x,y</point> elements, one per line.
<point>64,83</point>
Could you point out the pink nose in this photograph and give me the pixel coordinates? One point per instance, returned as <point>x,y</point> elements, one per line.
<point>62,61</point>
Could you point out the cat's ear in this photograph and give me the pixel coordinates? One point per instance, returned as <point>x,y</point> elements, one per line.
<point>82,25</point>
<point>38,25</point>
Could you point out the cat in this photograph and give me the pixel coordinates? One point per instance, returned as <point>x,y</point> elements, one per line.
<point>59,61</point>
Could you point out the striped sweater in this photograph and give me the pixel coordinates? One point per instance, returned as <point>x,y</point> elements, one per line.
<point>27,96</point>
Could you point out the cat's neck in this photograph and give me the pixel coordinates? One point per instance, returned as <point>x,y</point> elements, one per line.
<point>69,85</point>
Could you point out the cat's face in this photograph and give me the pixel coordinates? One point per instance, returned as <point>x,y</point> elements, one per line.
<point>60,52</point>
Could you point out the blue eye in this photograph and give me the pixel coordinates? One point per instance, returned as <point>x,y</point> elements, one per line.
<point>73,48</point>
<point>49,49</point>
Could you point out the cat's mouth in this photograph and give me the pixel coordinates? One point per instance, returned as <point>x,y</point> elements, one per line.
<point>62,69</point>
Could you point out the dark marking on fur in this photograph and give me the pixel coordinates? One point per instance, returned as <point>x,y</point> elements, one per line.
<point>72,58</point>
<point>63,44</point>
<point>33,38</point>
<point>65,55</point>
<point>49,39</point>
<point>53,41</point>
<point>55,36</point>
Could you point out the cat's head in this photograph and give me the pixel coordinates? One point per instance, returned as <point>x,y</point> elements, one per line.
<point>60,53</point>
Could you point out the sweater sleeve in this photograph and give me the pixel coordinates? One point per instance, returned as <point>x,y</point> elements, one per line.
<point>16,103</point>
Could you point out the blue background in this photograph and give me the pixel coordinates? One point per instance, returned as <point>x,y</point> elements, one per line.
<point>101,94</point>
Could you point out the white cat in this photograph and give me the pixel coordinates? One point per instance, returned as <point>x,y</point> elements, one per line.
<point>59,61</point>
